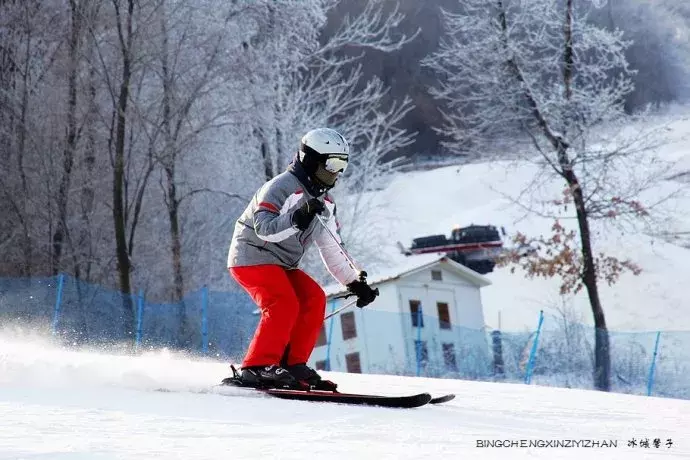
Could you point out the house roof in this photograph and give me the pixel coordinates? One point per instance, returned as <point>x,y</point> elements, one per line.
<point>415,264</point>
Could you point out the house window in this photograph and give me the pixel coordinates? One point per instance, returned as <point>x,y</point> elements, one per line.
<point>347,323</point>
<point>436,275</point>
<point>421,352</point>
<point>322,337</point>
<point>353,364</point>
<point>321,365</point>
<point>449,357</point>
<point>416,313</point>
<point>443,315</point>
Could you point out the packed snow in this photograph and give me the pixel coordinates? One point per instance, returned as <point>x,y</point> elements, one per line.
<point>69,405</point>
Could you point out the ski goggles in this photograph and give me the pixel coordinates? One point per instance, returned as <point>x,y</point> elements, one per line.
<point>335,163</point>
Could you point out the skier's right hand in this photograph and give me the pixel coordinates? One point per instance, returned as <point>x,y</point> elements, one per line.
<point>365,294</point>
<point>303,216</point>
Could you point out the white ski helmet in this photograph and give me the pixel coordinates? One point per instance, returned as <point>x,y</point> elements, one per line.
<point>324,154</point>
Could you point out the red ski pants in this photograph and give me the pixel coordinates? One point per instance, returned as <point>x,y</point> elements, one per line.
<point>292,308</point>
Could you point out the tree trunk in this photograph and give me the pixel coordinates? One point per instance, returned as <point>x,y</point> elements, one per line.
<point>267,159</point>
<point>27,243</point>
<point>568,53</point>
<point>88,193</point>
<point>119,209</point>
<point>169,159</point>
<point>176,248</point>
<point>60,236</point>
<point>8,78</point>
<point>25,99</point>
<point>176,251</point>
<point>602,361</point>
<point>84,248</point>
<point>280,160</point>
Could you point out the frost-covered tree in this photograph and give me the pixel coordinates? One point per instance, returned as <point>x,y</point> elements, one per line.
<point>659,47</point>
<point>116,115</point>
<point>538,69</point>
<point>303,80</point>
<point>32,44</point>
<point>193,92</point>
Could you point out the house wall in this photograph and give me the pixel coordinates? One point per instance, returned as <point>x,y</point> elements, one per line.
<point>384,338</point>
<point>385,333</point>
<point>468,311</point>
<point>466,335</point>
<point>379,338</point>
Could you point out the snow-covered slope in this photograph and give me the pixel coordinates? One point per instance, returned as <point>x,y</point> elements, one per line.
<point>62,405</point>
<point>433,202</point>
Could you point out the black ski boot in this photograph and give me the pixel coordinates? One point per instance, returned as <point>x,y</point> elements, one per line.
<point>310,378</point>
<point>262,377</point>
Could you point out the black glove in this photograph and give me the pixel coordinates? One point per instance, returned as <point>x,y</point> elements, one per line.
<point>365,294</point>
<point>303,216</point>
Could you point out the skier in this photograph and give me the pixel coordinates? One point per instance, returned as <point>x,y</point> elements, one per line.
<point>269,241</point>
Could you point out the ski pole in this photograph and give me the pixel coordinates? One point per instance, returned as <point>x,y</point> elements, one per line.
<point>362,277</point>
<point>347,305</point>
<point>342,296</point>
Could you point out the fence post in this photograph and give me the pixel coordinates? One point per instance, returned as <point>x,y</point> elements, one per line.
<point>418,344</point>
<point>533,352</point>
<point>497,348</point>
<point>330,338</point>
<point>140,319</point>
<point>204,319</point>
<point>58,302</point>
<point>650,379</point>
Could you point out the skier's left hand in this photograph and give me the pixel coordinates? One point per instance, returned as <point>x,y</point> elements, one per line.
<point>365,294</point>
<point>303,215</point>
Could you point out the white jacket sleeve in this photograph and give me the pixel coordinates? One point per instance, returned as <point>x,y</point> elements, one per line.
<point>333,255</point>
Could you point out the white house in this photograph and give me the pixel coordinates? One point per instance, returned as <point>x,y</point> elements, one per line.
<point>431,291</point>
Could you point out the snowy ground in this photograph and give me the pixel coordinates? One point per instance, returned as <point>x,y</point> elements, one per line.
<point>433,202</point>
<point>64,405</point>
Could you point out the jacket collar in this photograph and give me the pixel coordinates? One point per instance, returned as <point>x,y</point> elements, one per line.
<point>296,168</point>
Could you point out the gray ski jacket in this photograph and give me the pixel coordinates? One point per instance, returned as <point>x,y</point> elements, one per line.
<point>264,233</point>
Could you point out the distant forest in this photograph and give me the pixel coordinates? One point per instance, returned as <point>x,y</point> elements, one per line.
<point>660,53</point>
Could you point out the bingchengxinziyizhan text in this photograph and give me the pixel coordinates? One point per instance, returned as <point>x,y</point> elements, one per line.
<point>548,443</point>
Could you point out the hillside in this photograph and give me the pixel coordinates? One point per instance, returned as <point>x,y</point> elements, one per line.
<point>432,202</point>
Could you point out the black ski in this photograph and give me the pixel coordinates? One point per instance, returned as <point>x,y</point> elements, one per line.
<point>442,399</point>
<point>305,394</point>
<point>405,402</point>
